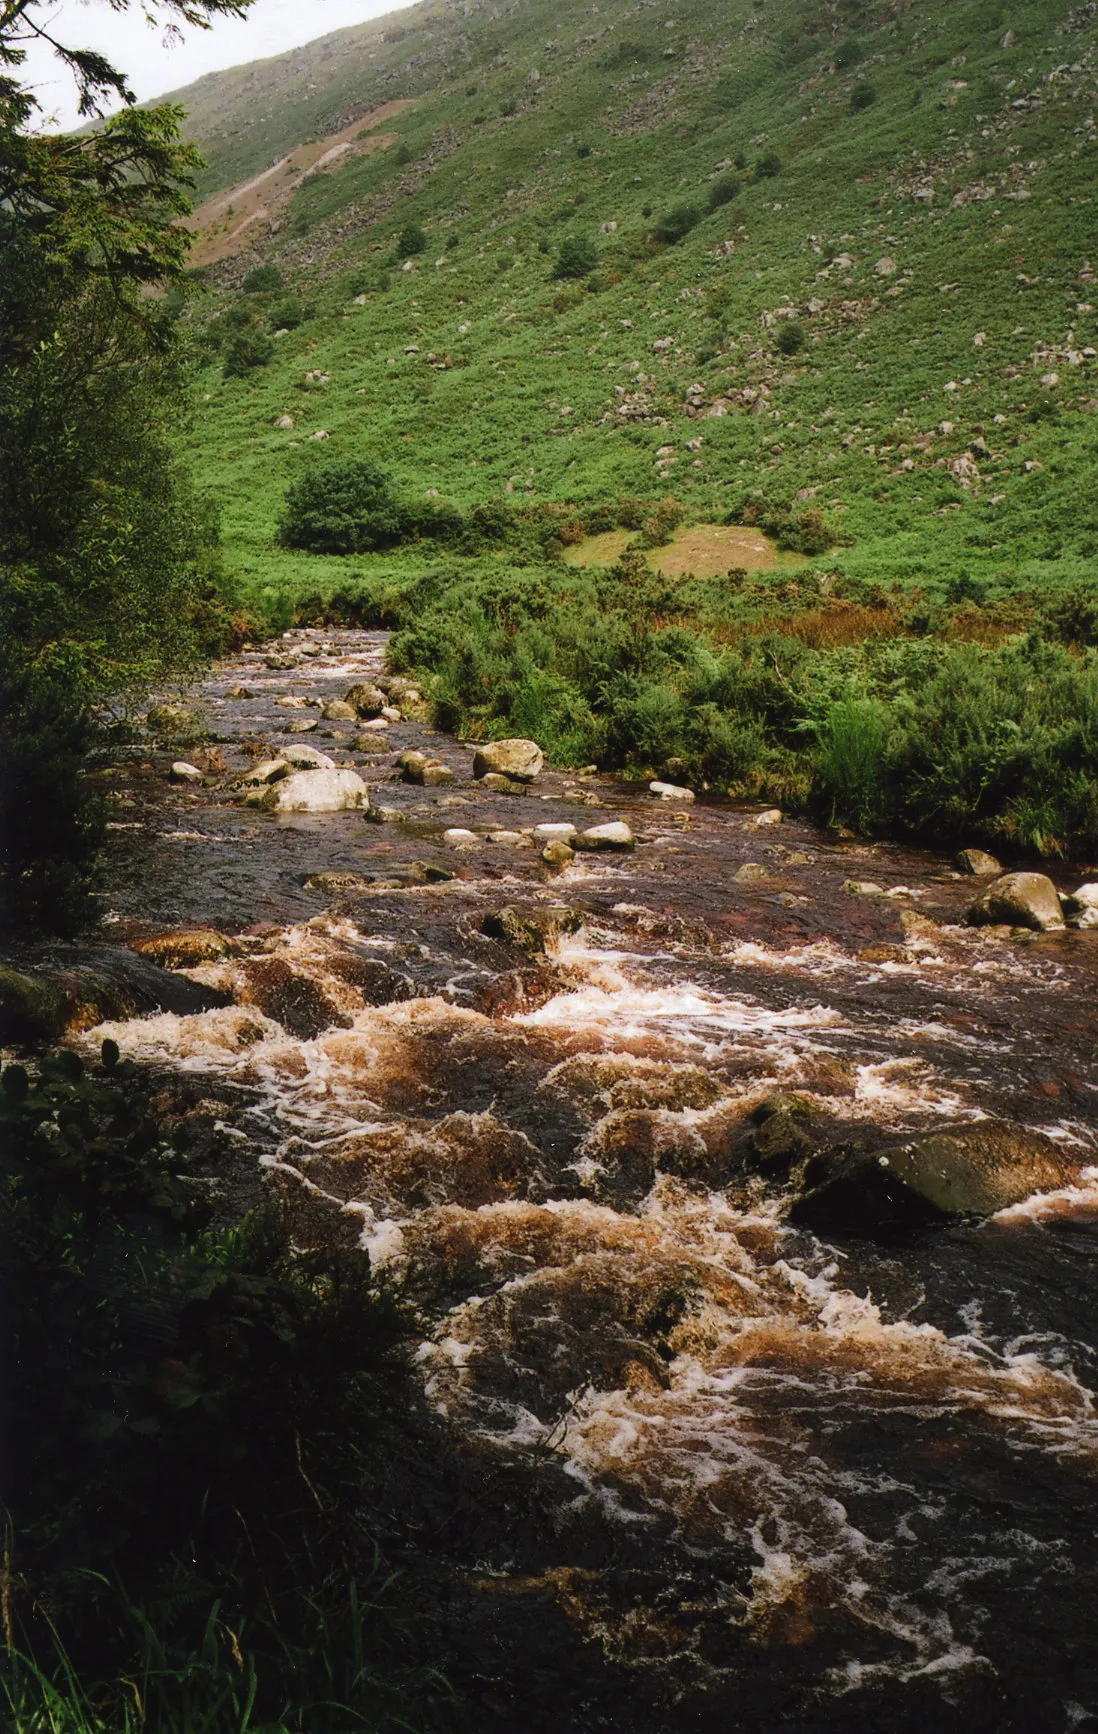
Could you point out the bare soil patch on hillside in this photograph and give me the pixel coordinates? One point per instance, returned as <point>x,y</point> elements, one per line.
<point>227,223</point>
<point>702,551</point>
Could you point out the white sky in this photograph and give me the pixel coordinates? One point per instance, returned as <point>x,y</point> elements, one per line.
<point>138,49</point>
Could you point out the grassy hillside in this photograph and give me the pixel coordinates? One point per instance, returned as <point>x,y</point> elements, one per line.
<point>876,310</point>
<point>969,180</point>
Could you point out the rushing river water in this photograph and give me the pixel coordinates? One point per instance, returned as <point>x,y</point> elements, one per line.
<point>725,1475</point>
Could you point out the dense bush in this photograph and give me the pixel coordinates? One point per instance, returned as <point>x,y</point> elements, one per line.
<point>246,350</point>
<point>889,734</point>
<point>343,507</point>
<point>676,224</point>
<point>768,165</point>
<point>262,280</point>
<point>848,53</point>
<point>792,337</point>
<point>288,315</point>
<point>577,257</point>
<point>722,191</point>
<point>51,824</point>
<point>411,240</point>
<point>862,96</point>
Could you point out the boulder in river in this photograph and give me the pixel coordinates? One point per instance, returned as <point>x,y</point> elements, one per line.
<point>531,930</point>
<point>501,785</point>
<point>558,855</point>
<point>521,760</point>
<point>304,758</point>
<point>87,984</point>
<point>616,835</point>
<point>315,791</point>
<point>970,1170</point>
<point>365,699</point>
<point>1019,900</point>
<point>266,771</point>
<point>978,863</point>
<point>337,710</point>
<point>670,792</point>
<point>182,772</point>
<point>459,838</point>
<point>1081,909</point>
<point>177,721</point>
<point>426,772</point>
<point>751,873</point>
<point>31,1009</point>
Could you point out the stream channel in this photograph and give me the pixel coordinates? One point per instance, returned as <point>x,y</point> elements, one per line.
<point>680,1464</point>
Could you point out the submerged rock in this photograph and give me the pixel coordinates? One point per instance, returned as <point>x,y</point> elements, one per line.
<point>334,883</point>
<point>521,760</point>
<point>970,1170</point>
<point>531,930</point>
<point>183,947</point>
<point>1019,900</point>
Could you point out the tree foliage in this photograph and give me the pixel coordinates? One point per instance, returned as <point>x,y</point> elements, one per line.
<point>345,507</point>
<point>101,548</point>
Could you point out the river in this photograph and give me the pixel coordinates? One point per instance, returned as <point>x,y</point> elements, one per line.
<point>709,1470</point>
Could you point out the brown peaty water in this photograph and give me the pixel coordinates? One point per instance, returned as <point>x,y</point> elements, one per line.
<point>709,1471</point>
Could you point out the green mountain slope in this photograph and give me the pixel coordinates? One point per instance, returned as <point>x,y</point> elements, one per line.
<point>928,222</point>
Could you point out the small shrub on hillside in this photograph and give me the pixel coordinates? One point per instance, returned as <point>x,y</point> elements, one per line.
<point>247,350</point>
<point>262,279</point>
<point>411,240</point>
<point>791,337</point>
<point>739,161</point>
<point>718,300</point>
<point>577,257</point>
<point>722,191</point>
<point>402,156</point>
<point>848,54</point>
<point>676,224</point>
<point>237,317</point>
<point>659,528</point>
<point>583,150</point>
<point>288,315</point>
<point>508,108</point>
<point>344,507</point>
<point>768,165</point>
<point>862,96</point>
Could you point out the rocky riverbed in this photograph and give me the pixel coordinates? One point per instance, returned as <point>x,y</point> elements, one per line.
<point>747,1194</point>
